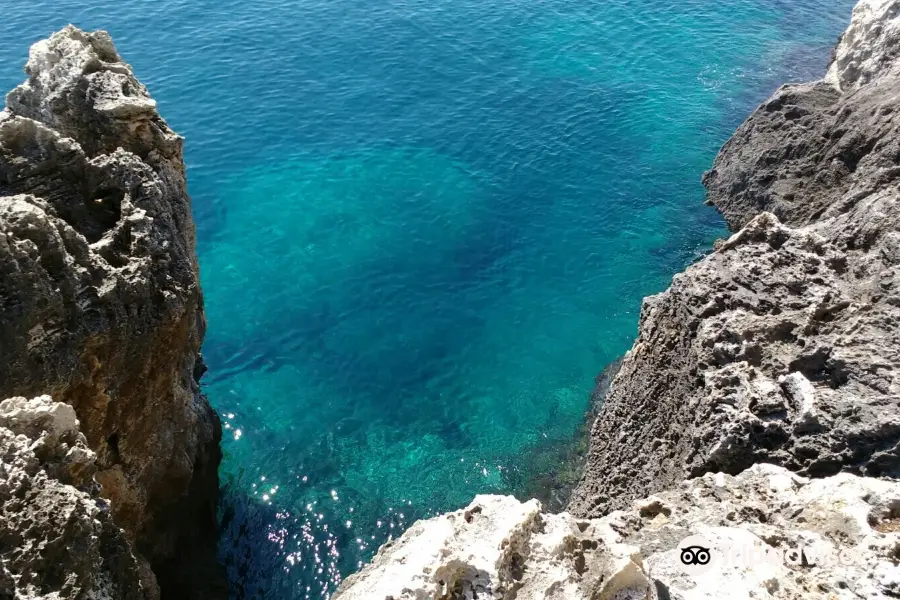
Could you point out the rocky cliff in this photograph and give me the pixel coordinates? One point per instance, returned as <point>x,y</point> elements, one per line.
<point>782,345</point>
<point>101,308</point>
<point>760,405</point>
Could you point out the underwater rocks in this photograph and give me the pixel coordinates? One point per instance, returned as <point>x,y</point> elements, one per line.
<point>100,302</point>
<point>59,539</point>
<point>770,534</point>
<point>782,345</point>
<point>556,468</point>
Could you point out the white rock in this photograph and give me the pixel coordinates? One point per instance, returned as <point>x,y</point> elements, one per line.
<point>771,534</point>
<point>803,396</point>
<point>868,45</point>
<point>40,414</point>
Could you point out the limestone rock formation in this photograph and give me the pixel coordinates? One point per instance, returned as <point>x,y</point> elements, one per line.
<point>783,346</point>
<point>100,303</point>
<point>769,532</point>
<point>58,538</point>
<point>869,47</point>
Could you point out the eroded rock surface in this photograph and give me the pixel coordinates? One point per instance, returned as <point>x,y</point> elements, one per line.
<point>57,538</point>
<point>770,533</point>
<point>100,305</point>
<point>783,345</point>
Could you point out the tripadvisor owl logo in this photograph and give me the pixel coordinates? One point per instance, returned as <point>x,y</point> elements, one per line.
<point>696,554</point>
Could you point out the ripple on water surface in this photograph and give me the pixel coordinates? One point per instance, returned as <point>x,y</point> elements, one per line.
<point>425,227</point>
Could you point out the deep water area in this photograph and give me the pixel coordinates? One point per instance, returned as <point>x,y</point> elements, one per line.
<point>424,227</point>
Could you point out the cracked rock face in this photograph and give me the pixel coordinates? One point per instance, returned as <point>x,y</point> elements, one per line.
<point>100,304</point>
<point>782,345</point>
<point>58,538</point>
<point>770,534</point>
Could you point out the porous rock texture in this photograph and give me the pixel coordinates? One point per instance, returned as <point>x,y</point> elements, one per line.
<point>783,345</point>
<point>100,303</point>
<point>57,538</point>
<point>770,533</point>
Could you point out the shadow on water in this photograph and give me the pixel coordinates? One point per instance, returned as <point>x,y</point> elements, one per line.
<point>262,543</point>
<point>245,548</point>
<point>286,549</point>
<point>553,470</point>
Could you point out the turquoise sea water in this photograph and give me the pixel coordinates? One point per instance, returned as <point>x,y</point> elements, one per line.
<point>424,227</point>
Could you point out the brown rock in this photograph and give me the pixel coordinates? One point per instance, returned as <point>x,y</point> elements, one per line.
<point>100,303</point>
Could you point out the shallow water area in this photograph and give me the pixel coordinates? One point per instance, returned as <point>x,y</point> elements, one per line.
<point>425,227</point>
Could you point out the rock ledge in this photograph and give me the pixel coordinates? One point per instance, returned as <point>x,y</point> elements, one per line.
<point>770,532</point>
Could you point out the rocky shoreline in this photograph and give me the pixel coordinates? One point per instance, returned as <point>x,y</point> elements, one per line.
<point>781,346</point>
<point>772,534</point>
<point>763,385</point>
<point>759,407</point>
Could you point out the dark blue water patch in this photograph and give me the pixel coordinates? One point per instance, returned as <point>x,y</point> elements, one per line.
<point>404,360</point>
<point>251,528</point>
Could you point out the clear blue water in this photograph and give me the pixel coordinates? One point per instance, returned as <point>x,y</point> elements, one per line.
<point>424,227</point>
